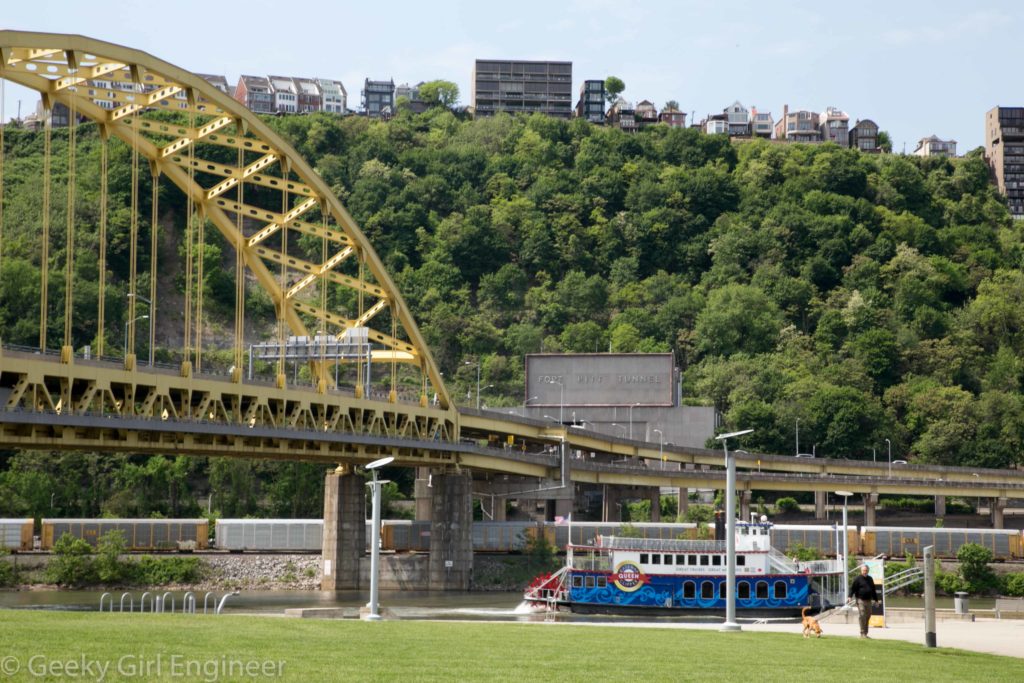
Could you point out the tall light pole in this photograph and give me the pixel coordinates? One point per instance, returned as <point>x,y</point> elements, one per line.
<point>661,447</point>
<point>152,314</point>
<point>561,401</point>
<point>622,427</point>
<point>846,547</point>
<point>634,405</point>
<point>478,390</point>
<point>375,535</point>
<point>477,382</point>
<point>889,444</point>
<point>730,532</point>
<point>126,323</point>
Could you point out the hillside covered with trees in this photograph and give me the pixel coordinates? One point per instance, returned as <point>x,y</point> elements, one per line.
<point>868,296</point>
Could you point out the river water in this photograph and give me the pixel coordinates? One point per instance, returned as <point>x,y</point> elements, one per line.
<point>483,606</point>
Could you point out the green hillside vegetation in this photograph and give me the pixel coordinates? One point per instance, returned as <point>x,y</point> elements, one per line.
<point>868,296</point>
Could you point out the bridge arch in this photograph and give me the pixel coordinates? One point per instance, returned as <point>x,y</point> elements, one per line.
<point>241,175</point>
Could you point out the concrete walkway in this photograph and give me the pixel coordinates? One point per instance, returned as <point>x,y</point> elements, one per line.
<point>991,636</point>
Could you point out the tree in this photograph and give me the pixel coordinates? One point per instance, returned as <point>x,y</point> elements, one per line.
<point>439,93</point>
<point>671,105</point>
<point>884,141</point>
<point>613,87</point>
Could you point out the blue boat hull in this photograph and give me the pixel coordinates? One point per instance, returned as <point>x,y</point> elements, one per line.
<point>667,594</point>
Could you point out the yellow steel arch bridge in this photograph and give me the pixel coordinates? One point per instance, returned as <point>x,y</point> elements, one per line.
<point>337,312</point>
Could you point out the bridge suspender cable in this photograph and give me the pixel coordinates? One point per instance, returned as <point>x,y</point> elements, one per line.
<point>236,374</point>
<point>101,304</point>
<point>133,238</point>
<point>186,351</point>
<point>154,234</point>
<point>44,262</point>
<point>67,350</point>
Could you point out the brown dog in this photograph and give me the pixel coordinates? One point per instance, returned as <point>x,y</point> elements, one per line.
<point>810,624</point>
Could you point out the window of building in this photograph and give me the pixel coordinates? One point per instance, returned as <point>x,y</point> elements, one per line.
<point>655,558</point>
<point>780,590</point>
<point>590,581</point>
<point>643,558</point>
<point>689,590</point>
<point>762,590</point>
<point>704,560</point>
<point>743,590</point>
<point>670,559</point>
<point>577,581</point>
<point>707,590</point>
<point>741,560</point>
<point>602,582</point>
<point>721,591</point>
<point>716,560</point>
<point>691,560</point>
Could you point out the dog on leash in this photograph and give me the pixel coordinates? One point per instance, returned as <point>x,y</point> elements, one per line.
<point>810,624</point>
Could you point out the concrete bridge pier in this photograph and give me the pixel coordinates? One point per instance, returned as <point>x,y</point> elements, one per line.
<point>745,497</point>
<point>610,510</point>
<point>940,506</point>
<point>682,503</point>
<point>998,508</point>
<point>557,507</point>
<point>870,502</point>
<point>655,496</point>
<point>344,536</point>
<point>421,494</point>
<point>820,498</point>
<point>451,544</point>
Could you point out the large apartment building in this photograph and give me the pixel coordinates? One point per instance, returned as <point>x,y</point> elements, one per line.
<point>519,86</point>
<point>1004,147</point>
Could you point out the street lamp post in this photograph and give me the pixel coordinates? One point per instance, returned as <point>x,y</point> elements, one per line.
<point>889,444</point>
<point>375,535</point>
<point>634,405</point>
<point>477,382</point>
<point>478,390</point>
<point>622,427</point>
<point>661,447</point>
<point>152,338</point>
<point>846,540</point>
<point>126,323</point>
<point>561,401</point>
<point>730,532</point>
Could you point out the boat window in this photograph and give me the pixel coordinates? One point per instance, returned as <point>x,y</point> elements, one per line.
<point>707,590</point>
<point>655,558</point>
<point>689,590</point>
<point>691,560</point>
<point>643,558</point>
<point>716,560</point>
<point>743,590</point>
<point>780,590</point>
<point>670,559</point>
<point>762,590</point>
<point>577,581</point>
<point>590,581</point>
<point>602,582</point>
<point>721,590</point>
<point>741,560</point>
<point>703,560</point>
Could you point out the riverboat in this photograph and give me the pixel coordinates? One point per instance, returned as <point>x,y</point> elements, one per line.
<point>619,575</point>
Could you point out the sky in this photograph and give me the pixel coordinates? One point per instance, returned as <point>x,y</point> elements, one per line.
<point>915,68</point>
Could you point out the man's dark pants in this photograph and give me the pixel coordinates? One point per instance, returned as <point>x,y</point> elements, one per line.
<point>864,606</point>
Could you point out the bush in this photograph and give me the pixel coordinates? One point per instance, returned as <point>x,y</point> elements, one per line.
<point>71,564</point>
<point>974,560</point>
<point>1013,585</point>
<point>908,504</point>
<point>787,504</point>
<point>950,583</point>
<point>159,571</point>
<point>108,565</point>
<point>699,513</point>
<point>959,507</point>
<point>803,553</point>
<point>629,531</point>
<point>8,576</point>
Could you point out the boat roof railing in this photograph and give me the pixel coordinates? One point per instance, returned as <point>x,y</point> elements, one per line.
<point>660,544</point>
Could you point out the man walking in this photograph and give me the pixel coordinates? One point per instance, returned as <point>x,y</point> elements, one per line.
<point>863,588</point>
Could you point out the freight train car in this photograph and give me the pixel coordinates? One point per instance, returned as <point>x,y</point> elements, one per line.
<point>302,535</point>
<point>139,534</point>
<point>822,537</point>
<point>16,534</point>
<point>1005,544</point>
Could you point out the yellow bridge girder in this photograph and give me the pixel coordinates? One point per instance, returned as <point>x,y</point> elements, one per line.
<point>128,92</point>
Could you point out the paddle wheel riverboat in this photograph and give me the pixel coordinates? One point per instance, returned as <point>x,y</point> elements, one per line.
<point>619,575</point>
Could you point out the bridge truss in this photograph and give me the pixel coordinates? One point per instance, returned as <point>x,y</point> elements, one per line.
<point>291,238</point>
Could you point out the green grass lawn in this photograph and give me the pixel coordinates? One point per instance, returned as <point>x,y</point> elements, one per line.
<point>350,650</point>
